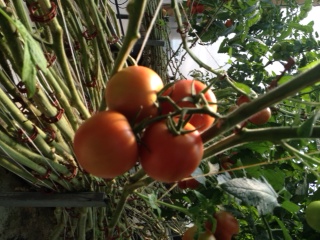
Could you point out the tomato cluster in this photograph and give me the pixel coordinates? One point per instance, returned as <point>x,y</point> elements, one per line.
<point>226,226</point>
<point>162,135</point>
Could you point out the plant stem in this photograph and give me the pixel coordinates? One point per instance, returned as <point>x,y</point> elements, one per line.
<point>246,110</point>
<point>272,134</point>
<point>168,205</point>
<point>128,189</point>
<point>58,46</point>
<point>135,10</point>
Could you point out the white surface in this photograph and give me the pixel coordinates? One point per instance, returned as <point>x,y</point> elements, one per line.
<point>208,54</point>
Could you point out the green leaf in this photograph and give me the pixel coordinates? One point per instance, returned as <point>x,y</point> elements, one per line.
<point>290,206</point>
<point>28,75</point>
<point>253,192</point>
<point>309,66</point>
<point>243,87</point>
<point>303,28</point>
<point>285,231</point>
<point>33,58</point>
<point>305,130</point>
<point>153,203</point>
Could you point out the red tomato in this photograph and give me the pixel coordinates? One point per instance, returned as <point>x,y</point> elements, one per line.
<point>169,158</point>
<point>105,145</point>
<point>227,225</point>
<point>189,234</point>
<point>190,183</point>
<point>207,235</point>
<point>182,92</point>
<point>200,8</point>
<point>133,92</point>
<point>228,23</point>
<point>242,99</point>
<point>261,117</point>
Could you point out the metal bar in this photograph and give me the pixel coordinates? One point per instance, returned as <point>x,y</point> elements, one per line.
<point>159,43</point>
<point>118,13</point>
<point>38,199</point>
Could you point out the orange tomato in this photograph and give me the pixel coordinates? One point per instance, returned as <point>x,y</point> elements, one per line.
<point>105,145</point>
<point>133,92</point>
<point>183,93</point>
<point>167,157</point>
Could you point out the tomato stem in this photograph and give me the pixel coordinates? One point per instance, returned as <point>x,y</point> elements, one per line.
<point>128,189</point>
<point>174,207</point>
<point>272,134</point>
<point>245,111</point>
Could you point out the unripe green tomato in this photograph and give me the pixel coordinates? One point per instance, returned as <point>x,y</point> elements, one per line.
<point>313,215</point>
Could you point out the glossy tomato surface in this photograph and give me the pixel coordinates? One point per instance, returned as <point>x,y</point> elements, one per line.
<point>133,92</point>
<point>105,145</point>
<point>182,92</point>
<point>261,117</point>
<point>169,158</point>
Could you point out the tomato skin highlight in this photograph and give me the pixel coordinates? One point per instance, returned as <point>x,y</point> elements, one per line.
<point>261,117</point>
<point>133,92</point>
<point>186,88</point>
<point>169,158</point>
<point>105,145</point>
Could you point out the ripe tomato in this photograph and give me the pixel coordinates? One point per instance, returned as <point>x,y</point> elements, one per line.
<point>200,8</point>
<point>259,118</point>
<point>183,93</point>
<point>105,145</point>
<point>228,23</point>
<point>313,215</point>
<point>242,99</point>
<point>167,157</point>
<point>207,235</point>
<point>133,92</point>
<point>227,225</point>
<point>189,234</point>
<point>190,183</point>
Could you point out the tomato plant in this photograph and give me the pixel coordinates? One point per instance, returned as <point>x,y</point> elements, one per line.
<point>190,183</point>
<point>185,93</point>
<point>313,215</point>
<point>168,157</point>
<point>105,145</point>
<point>133,92</point>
